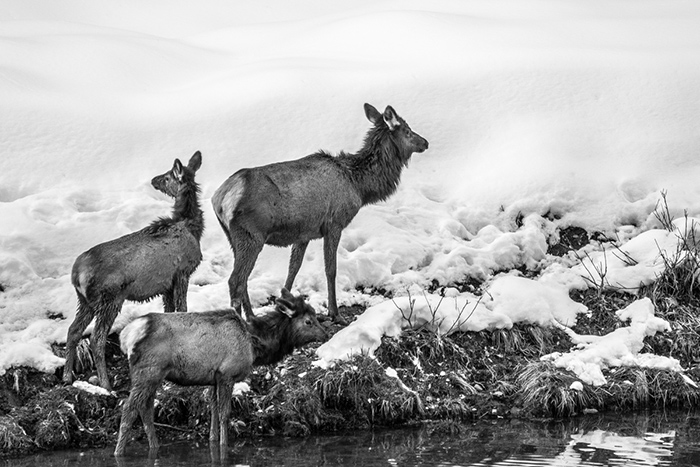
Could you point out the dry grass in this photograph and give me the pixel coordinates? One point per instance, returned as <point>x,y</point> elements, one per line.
<point>13,438</point>
<point>546,391</point>
<point>636,388</point>
<point>291,405</point>
<point>361,387</point>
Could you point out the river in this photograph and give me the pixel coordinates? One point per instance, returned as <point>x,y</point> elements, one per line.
<point>631,440</point>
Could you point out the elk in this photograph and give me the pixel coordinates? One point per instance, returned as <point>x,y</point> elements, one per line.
<point>156,260</point>
<point>293,202</point>
<point>215,348</point>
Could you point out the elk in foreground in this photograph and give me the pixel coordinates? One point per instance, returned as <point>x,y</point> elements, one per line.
<point>156,260</point>
<point>293,202</point>
<point>216,348</point>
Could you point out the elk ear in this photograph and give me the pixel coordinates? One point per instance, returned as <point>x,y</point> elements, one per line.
<point>177,169</point>
<point>285,303</point>
<point>195,162</point>
<point>390,118</point>
<point>372,114</point>
<point>285,306</point>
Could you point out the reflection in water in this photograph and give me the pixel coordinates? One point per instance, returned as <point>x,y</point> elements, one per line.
<point>648,449</point>
<point>635,440</point>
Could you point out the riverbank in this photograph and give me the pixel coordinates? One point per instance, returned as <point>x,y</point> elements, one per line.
<point>417,378</point>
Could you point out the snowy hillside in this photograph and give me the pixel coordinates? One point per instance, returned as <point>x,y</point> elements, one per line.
<point>559,113</point>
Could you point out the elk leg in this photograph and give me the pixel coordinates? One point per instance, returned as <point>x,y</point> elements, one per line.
<point>103,324</point>
<point>169,300</point>
<point>225,229</point>
<point>214,423</point>
<point>224,390</point>
<point>295,260</point>
<point>330,252</point>
<point>146,412</point>
<point>245,253</point>
<point>180,285</point>
<point>83,317</point>
<point>128,417</point>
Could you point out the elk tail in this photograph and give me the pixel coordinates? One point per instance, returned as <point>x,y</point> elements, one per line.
<point>227,197</point>
<point>132,334</point>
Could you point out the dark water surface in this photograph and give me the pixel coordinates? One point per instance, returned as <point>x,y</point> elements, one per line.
<point>631,440</point>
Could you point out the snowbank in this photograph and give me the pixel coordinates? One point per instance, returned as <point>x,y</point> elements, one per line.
<point>539,115</point>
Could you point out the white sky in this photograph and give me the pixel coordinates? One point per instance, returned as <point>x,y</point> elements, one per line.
<point>583,109</point>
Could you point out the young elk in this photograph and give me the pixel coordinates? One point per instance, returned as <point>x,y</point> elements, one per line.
<point>293,202</point>
<point>215,348</point>
<point>156,260</point>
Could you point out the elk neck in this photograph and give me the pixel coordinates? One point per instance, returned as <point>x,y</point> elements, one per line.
<point>187,209</point>
<point>271,336</point>
<point>375,169</point>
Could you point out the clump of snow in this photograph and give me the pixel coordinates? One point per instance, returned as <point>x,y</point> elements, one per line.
<point>92,389</point>
<point>508,300</point>
<point>576,386</point>
<point>241,388</point>
<point>621,347</point>
<point>642,259</point>
<point>529,301</point>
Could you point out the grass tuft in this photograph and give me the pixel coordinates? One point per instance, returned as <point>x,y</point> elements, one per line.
<point>546,391</point>
<point>13,438</point>
<point>361,387</point>
<point>291,405</point>
<point>635,388</point>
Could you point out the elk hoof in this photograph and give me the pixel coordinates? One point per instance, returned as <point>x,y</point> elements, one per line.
<point>338,319</point>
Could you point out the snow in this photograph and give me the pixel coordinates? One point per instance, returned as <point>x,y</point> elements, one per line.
<point>642,259</point>
<point>509,300</point>
<point>241,388</point>
<point>621,347</point>
<point>92,389</point>
<point>540,114</point>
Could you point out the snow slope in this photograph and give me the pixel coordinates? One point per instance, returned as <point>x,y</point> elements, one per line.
<point>562,112</point>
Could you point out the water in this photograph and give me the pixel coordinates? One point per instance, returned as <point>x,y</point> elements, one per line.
<point>634,440</point>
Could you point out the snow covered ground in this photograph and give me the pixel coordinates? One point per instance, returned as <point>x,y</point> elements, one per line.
<point>562,113</point>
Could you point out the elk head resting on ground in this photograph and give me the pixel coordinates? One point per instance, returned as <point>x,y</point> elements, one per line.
<point>216,348</point>
<point>293,202</point>
<point>156,260</point>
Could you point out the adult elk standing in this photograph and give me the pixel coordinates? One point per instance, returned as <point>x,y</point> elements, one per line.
<point>293,202</point>
<point>215,348</point>
<point>156,260</point>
